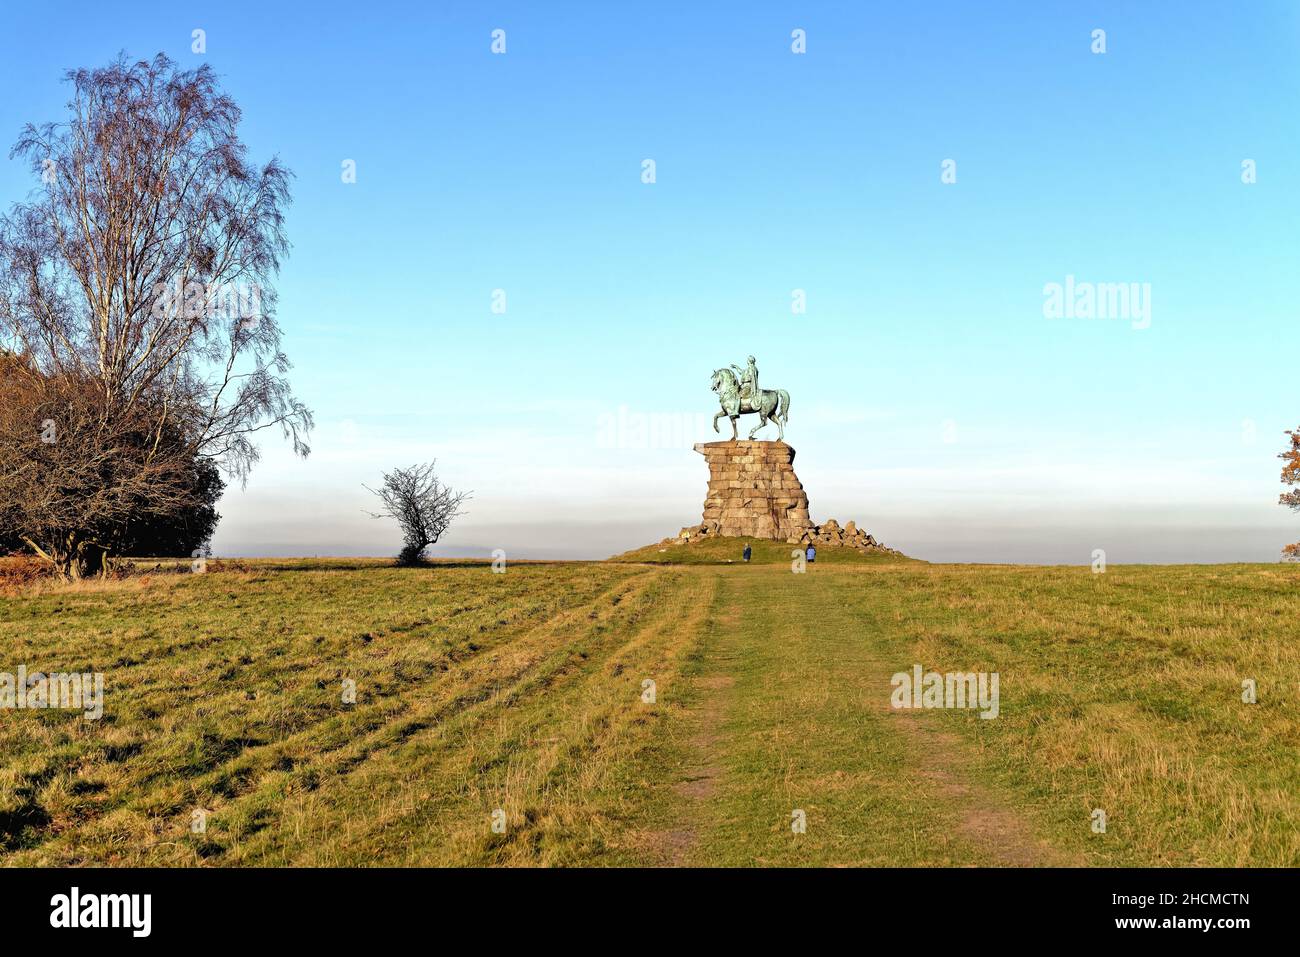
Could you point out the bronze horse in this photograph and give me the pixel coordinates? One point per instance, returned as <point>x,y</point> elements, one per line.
<point>774,404</point>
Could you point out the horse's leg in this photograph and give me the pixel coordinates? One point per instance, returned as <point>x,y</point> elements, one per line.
<point>715,420</point>
<point>734,433</point>
<point>765,410</point>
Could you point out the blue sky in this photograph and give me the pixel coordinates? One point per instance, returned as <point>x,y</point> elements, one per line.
<point>932,401</point>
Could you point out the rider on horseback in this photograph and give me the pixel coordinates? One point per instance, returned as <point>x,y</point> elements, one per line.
<point>740,394</point>
<point>749,384</point>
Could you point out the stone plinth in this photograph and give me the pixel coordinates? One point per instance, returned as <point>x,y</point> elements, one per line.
<point>753,491</point>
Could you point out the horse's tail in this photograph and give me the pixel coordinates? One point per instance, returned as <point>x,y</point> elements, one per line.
<point>785,406</point>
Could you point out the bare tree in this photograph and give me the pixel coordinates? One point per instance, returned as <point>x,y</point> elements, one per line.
<point>135,287</point>
<point>422,505</point>
<point>74,475</point>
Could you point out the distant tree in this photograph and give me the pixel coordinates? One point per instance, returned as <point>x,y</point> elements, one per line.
<point>422,506</point>
<point>1291,476</point>
<point>135,284</point>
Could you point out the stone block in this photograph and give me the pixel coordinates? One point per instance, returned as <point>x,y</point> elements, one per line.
<point>753,490</point>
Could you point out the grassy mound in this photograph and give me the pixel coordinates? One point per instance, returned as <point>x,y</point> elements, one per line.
<point>721,550</point>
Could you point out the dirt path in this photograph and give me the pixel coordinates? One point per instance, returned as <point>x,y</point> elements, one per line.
<point>700,776</point>
<point>701,782</point>
<point>985,818</point>
<point>781,672</point>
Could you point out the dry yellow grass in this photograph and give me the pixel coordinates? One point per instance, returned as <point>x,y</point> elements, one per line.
<point>523,692</point>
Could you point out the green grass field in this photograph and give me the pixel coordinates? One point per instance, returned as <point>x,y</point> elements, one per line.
<point>524,692</point>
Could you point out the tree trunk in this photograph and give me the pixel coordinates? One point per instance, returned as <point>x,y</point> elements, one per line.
<point>62,558</point>
<point>74,559</point>
<point>88,561</point>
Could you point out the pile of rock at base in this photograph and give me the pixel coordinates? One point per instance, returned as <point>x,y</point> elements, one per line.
<point>830,533</point>
<point>691,532</point>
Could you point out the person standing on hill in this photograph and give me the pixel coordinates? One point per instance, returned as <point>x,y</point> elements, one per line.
<point>747,552</point>
<point>811,554</point>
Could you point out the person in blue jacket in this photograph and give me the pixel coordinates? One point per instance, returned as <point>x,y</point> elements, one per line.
<point>811,554</point>
<point>747,552</point>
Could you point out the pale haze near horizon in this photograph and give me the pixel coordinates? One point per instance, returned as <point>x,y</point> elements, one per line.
<point>585,499</point>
